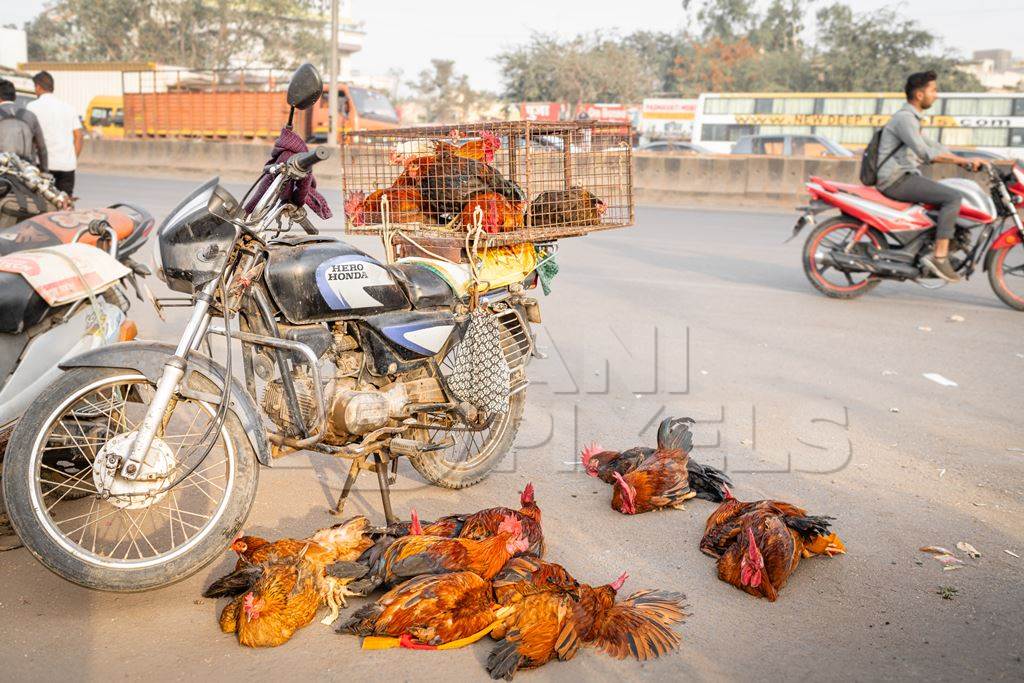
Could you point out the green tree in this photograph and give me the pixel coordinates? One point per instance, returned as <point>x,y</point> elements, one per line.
<point>587,68</point>
<point>887,47</point>
<point>190,33</point>
<point>444,93</point>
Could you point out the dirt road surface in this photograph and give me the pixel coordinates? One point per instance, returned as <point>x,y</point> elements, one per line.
<point>802,398</point>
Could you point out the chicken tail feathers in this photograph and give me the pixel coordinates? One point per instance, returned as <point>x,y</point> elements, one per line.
<point>674,434</point>
<point>347,570</point>
<point>362,621</point>
<point>504,660</point>
<point>708,482</point>
<point>810,526</point>
<point>235,583</point>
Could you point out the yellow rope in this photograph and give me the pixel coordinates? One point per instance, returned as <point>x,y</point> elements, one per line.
<point>387,642</point>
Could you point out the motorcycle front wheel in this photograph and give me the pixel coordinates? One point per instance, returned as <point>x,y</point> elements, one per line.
<point>1006,275</point>
<point>90,526</point>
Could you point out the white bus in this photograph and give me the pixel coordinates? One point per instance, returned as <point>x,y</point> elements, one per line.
<point>992,122</point>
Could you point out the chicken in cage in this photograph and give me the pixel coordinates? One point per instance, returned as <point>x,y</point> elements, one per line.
<point>519,181</point>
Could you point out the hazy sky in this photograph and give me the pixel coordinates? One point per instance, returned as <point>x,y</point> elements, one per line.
<point>406,34</point>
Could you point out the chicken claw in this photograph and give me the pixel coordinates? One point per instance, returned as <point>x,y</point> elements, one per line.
<point>336,594</point>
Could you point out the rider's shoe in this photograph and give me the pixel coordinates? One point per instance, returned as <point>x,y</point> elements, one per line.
<point>941,268</point>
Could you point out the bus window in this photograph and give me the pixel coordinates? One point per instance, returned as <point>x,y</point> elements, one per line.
<point>793,105</point>
<point>721,132</point>
<point>980,106</point>
<point>849,105</point>
<point>956,137</point>
<point>1017,137</point>
<point>763,105</point>
<point>891,105</point>
<point>1018,106</point>
<point>731,105</point>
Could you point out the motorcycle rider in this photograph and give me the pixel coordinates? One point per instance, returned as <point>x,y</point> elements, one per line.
<point>904,150</point>
<point>20,132</point>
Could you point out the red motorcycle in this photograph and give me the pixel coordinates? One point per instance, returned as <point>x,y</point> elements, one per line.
<point>875,238</point>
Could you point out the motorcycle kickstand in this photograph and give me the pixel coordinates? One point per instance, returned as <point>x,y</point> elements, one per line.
<point>353,473</point>
<point>380,467</point>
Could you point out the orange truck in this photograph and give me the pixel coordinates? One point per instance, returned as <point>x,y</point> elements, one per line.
<point>239,114</point>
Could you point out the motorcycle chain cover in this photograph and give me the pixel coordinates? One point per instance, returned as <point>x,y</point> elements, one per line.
<point>480,374</point>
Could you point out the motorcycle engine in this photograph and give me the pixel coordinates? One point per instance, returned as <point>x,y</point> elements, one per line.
<point>351,412</point>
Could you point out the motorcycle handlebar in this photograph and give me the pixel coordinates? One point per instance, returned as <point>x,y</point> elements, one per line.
<point>307,160</point>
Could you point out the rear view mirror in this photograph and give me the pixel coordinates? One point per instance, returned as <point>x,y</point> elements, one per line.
<point>306,87</point>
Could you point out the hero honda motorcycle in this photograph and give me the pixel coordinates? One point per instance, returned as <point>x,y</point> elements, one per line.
<point>875,238</point>
<point>341,354</point>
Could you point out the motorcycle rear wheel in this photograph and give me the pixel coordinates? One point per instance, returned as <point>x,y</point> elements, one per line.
<point>830,235</point>
<point>998,269</point>
<point>160,538</point>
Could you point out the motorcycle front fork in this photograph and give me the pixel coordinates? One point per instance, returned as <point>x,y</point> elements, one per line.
<point>167,386</point>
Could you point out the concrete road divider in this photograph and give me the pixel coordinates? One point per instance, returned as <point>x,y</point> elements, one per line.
<point>721,180</point>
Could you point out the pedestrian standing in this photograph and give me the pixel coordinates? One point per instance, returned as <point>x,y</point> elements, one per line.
<point>62,130</point>
<point>19,128</point>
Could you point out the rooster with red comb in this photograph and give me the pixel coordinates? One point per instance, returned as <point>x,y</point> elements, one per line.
<point>680,477</point>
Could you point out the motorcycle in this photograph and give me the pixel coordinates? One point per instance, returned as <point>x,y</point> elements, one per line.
<point>875,238</point>
<point>25,191</point>
<point>341,355</point>
<point>64,279</point>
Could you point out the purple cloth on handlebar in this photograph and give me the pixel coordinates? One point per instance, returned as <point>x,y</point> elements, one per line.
<point>297,192</point>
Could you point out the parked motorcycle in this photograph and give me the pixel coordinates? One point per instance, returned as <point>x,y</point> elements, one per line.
<point>341,354</point>
<point>25,191</point>
<point>875,238</point>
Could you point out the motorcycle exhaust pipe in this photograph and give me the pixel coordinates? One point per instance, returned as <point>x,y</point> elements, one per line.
<point>864,264</point>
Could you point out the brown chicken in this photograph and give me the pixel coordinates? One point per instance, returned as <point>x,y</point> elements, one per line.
<point>527,575</point>
<point>673,434</point>
<point>573,207</point>
<point>414,555</point>
<point>497,213</point>
<point>431,609</point>
<point>763,556</point>
<point>480,148</point>
<point>448,180</point>
<point>551,625</point>
<point>485,523</point>
<point>283,598</point>
<point>660,481</point>
<point>343,542</point>
<point>724,524</point>
<point>404,206</point>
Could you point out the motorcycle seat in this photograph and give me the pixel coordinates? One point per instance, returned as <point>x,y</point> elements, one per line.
<point>864,192</point>
<point>131,224</point>
<point>20,306</point>
<point>424,286</point>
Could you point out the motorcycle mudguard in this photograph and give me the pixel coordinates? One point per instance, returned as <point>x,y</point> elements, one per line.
<point>1007,239</point>
<point>148,357</point>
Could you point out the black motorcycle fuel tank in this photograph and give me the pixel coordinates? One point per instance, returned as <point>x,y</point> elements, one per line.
<point>313,279</point>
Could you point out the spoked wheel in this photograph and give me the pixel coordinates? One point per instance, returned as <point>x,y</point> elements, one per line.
<point>467,454</point>
<point>1006,275</point>
<point>80,518</point>
<point>836,234</point>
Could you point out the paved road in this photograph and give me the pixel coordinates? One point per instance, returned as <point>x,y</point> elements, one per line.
<point>695,313</point>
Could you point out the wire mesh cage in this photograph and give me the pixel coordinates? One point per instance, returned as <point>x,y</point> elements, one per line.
<point>521,181</point>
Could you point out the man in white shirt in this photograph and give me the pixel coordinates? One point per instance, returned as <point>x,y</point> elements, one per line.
<point>62,131</point>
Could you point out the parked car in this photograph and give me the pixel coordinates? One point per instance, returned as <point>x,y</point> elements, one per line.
<point>975,153</point>
<point>790,146</point>
<point>674,147</point>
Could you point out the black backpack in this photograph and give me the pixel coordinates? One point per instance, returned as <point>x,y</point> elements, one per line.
<point>16,133</point>
<point>869,164</point>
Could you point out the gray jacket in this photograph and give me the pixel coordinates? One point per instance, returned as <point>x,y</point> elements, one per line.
<point>903,134</point>
<point>24,144</point>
